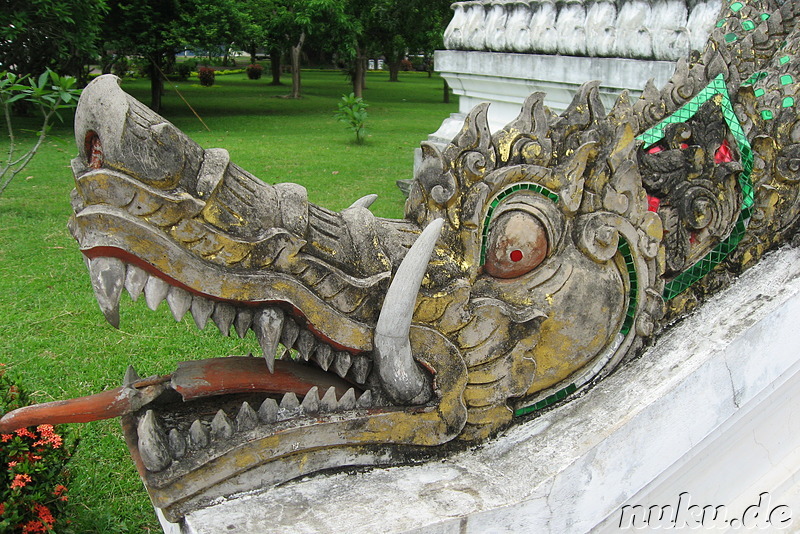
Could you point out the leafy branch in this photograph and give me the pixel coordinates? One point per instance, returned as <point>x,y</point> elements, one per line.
<point>50,93</point>
<point>353,112</point>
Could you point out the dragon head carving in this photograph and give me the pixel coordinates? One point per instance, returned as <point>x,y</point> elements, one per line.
<point>531,261</point>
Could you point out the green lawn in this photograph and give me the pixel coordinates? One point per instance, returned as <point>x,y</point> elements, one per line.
<point>53,336</point>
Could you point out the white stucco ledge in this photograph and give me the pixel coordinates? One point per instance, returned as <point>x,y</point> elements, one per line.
<point>505,80</point>
<point>712,412</point>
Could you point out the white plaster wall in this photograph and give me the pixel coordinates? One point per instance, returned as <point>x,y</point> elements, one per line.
<point>712,410</point>
<point>506,80</point>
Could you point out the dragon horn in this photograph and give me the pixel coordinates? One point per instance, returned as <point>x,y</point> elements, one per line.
<point>405,382</point>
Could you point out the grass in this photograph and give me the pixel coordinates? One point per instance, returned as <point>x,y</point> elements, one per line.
<point>53,336</point>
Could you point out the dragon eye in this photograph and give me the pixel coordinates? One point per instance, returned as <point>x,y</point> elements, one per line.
<point>517,244</point>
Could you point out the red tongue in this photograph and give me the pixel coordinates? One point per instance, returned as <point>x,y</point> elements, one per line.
<point>221,376</point>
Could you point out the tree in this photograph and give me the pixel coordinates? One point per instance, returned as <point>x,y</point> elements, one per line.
<point>148,29</point>
<point>395,28</point>
<point>60,35</point>
<point>297,21</point>
<point>392,28</point>
<point>212,25</point>
<point>260,30</point>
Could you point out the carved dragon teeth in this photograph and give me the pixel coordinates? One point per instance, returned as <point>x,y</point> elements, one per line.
<point>179,301</point>
<point>135,279</point>
<point>277,332</point>
<point>155,291</point>
<point>223,316</point>
<point>159,447</point>
<point>201,310</point>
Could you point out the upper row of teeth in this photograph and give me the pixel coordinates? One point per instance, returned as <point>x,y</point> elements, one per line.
<point>271,325</point>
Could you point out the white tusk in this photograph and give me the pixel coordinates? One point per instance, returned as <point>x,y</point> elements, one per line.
<point>364,202</point>
<point>402,378</point>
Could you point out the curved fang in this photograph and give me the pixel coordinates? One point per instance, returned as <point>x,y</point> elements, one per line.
<point>365,201</point>
<point>402,378</point>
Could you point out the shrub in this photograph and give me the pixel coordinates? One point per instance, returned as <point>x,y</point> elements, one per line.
<point>121,66</point>
<point>406,65</point>
<point>184,69</point>
<point>33,494</point>
<point>206,76</point>
<point>353,112</point>
<point>254,71</point>
<point>140,67</point>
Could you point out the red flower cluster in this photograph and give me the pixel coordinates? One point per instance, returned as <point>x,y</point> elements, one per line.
<point>31,498</point>
<point>43,523</point>
<point>48,437</point>
<point>20,481</point>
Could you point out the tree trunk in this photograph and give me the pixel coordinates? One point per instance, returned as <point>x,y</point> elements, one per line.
<point>253,54</point>
<point>445,92</point>
<point>394,70</point>
<point>364,64</point>
<point>358,75</point>
<point>296,51</point>
<point>156,82</point>
<point>275,66</point>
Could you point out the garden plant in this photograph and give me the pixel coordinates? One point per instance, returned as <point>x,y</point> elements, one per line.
<point>49,94</point>
<point>352,111</point>
<point>33,494</point>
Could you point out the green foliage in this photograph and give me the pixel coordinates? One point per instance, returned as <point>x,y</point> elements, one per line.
<point>184,69</point>
<point>210,25</point>
<point>49,93</point>
<point>254,71</point>
<point>206,76</point>
<point>352,111</point>
<point>61,35</point>
<point>33,494</point>
<point>151,31</point>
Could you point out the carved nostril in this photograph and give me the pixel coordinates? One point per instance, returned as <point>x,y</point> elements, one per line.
<point>94,150</point>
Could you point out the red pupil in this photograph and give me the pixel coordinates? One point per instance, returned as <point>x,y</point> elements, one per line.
<point>516,255</point>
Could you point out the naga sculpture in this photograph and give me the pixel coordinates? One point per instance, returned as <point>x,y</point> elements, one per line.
<point>530,263</point>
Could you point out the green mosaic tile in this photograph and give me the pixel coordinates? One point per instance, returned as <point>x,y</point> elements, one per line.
<point>787,102</point>
<point>759,92</point>
<point>559,395</point>
<point>764,16</point>
<point>630,313</point>
<point>756,76</point>
<point>721,23</point>
<point>784,60</point>
<point>766,115</point>
<point>736,6</point>
<point>787,79</point>
<point>748,25</point>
